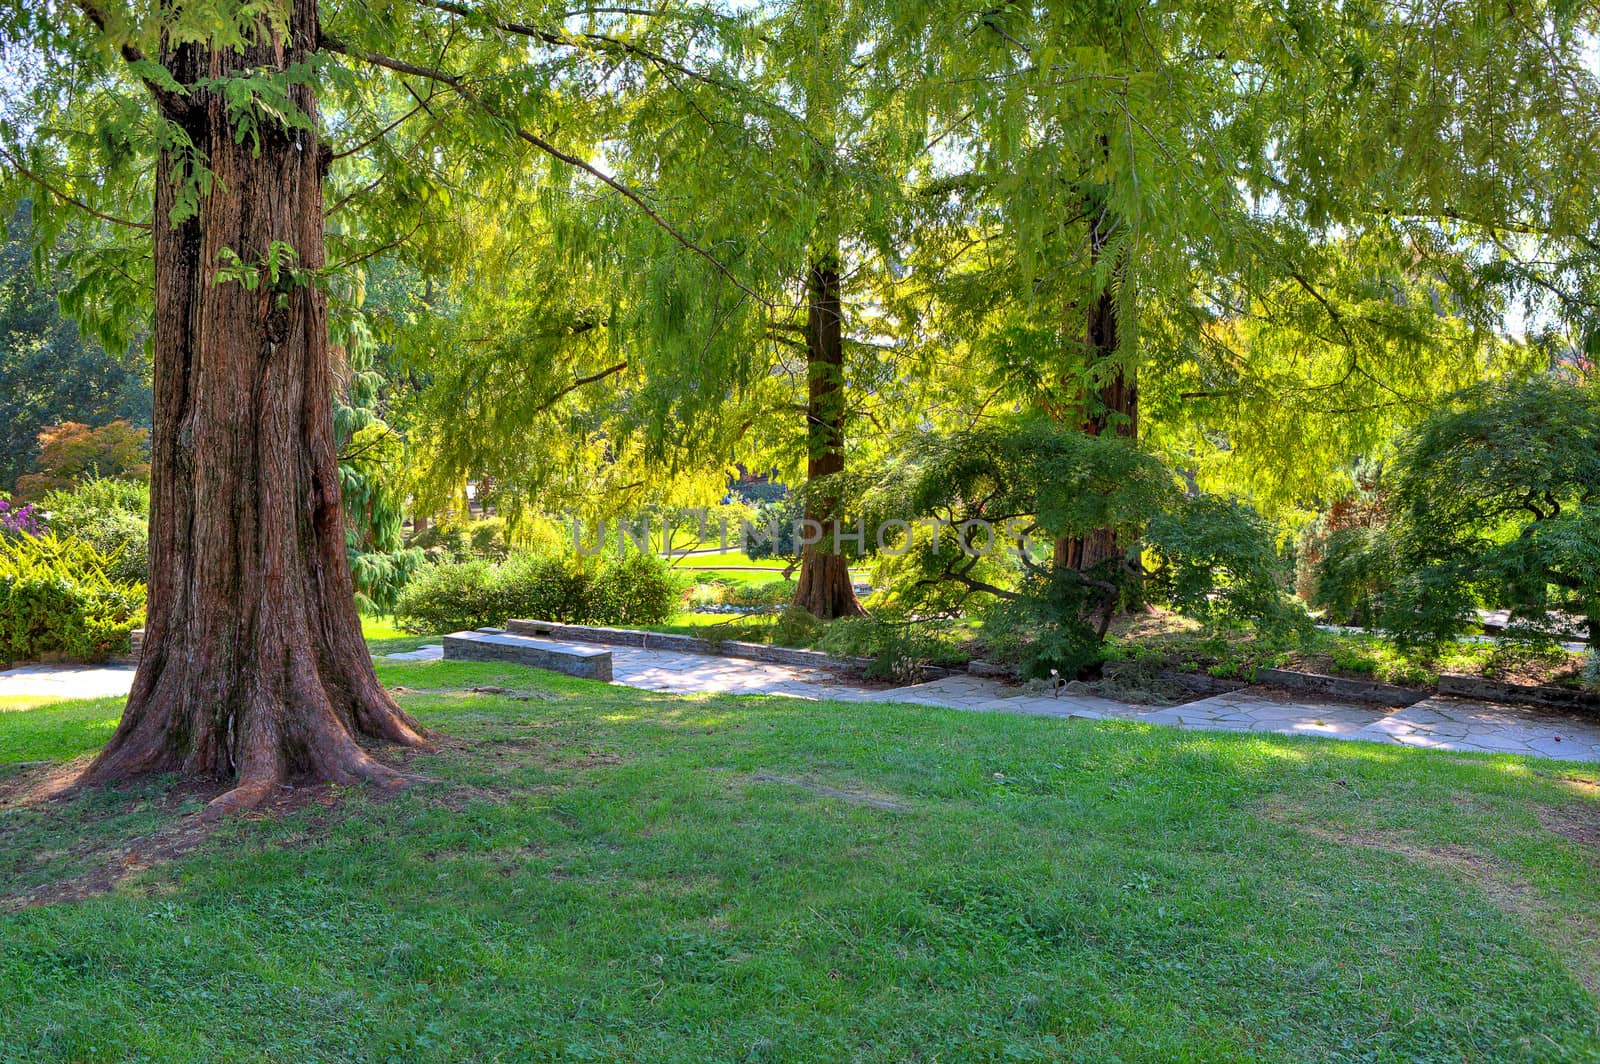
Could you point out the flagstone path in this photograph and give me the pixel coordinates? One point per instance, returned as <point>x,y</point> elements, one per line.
<point>1440,723</point>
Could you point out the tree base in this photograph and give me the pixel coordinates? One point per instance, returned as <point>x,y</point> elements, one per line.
<point>268,728</point>
<point>824,588</point>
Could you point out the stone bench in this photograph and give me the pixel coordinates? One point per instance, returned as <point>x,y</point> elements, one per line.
<point>688,644</point>
<point>588,663</point>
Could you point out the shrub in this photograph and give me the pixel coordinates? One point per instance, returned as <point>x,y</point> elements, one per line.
<point>1356,569</point>
<point>72,451</point>
<point>448,597</point>
<point>457,539</point>
<point>57,596</point>
<point>1043,631</point>
<point>898,647</point>
<point>797,626</point>
<point>18,519</point>
<point>772,595</point>
<point>703,593</point>
<point>549,588</point>
<point>112,516</point>
<point>636,589</point>
<point>1215,561</point>
<point>1494,504</point>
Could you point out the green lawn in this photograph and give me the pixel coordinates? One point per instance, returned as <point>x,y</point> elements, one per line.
<point>748,577</point>
<point>714,559</point>
<point>592,872</point>
<point>385,637</point>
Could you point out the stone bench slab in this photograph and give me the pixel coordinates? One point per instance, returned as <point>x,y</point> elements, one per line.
<point>685,644</point>
<point>588,663</point>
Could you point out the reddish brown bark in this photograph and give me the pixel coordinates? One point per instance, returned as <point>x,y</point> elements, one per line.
<point>824,587</point>
<point>254,670</point>
<point>1114,405</point>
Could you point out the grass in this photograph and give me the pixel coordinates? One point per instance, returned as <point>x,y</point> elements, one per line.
<point>593,872</point>
<point>741,577</point>
<point>713,560</point>
<point>385,637</point>
<point>8,702</point>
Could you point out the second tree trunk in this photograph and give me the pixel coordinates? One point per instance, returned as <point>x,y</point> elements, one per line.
<point>824,587</point>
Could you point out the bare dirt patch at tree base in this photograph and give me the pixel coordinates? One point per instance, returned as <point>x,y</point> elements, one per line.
<point>101,861</point>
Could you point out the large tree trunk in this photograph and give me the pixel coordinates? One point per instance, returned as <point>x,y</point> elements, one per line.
<point>254,670</point>
<point>824,586</point>
<point>1113,405</point>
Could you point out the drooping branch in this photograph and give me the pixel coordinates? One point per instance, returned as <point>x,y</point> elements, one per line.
<point>174,103</point>
<point>592,378</point>
<point>16,164</point>
<point>460,86</point>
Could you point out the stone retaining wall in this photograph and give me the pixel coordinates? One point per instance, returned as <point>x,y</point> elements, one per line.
<point>1340,687</point>
<point>1494,691</point>
<point>686,644</point>
<point>493,645</point>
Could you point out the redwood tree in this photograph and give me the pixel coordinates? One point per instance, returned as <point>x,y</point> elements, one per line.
<point>824,587</point>
<point>1112,403</point>
<point>255,669</point>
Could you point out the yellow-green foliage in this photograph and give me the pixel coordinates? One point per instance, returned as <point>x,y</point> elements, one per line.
<point>56,597</point>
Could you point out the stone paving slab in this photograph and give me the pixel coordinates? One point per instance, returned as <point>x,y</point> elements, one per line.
<point>1449,723</point>
<point>426,652</point>
<point>67,681</point>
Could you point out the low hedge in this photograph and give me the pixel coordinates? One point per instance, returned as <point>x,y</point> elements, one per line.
<point>632,590</point>
<point>57,596</point>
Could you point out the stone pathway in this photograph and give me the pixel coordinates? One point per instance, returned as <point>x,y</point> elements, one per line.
<point>66,681</point>
<point>1440,723</point>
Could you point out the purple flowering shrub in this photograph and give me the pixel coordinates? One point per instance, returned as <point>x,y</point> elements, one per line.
<point>19,520</point>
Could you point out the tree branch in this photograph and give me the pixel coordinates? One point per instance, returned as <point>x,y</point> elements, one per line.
<point>592,378</point>
<point>176,103</point>
<point>466,91</point>
<point>16,164</point>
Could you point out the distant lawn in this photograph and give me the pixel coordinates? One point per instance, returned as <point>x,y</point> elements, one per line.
<point>10,702</point>
<point>385,637</point>
<point>746,577</point>
<point>712,560</point>
<point>593,872</point>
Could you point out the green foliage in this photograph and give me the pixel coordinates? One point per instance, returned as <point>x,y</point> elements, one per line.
<point>58,596</point>
<point>1045,630</point>
<point>1215,559</point>
<point>463,538</point>
<point>764,596</point>
<point>49,371</point>
<point>112,516</point>
<point>1002,495</point>
<point>370,460</point>
<point>897,646</point>
<point>796,626</point>
<point>1497,499</point>
<point>778,515</point>
<point>636,589</point>
<point>633,590</point>
<point>1356,568</point>
<point>1226,652</point>
<point>449,597</point>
